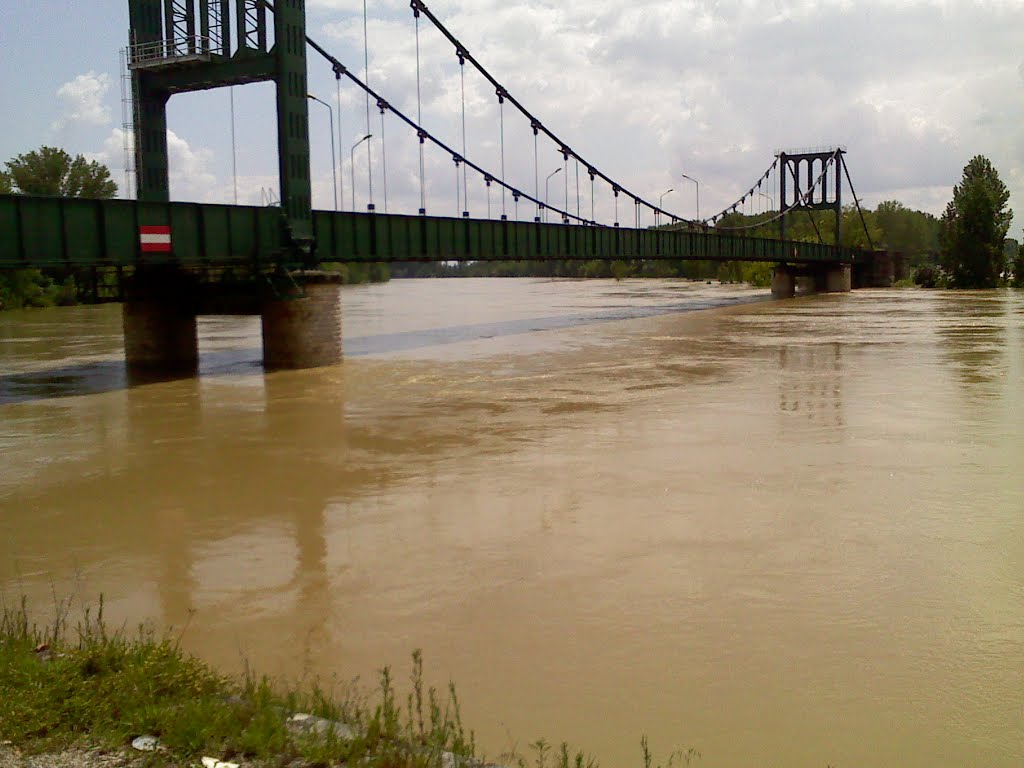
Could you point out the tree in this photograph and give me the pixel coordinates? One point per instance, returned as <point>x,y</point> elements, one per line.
<point>974,227</point>
<point>53,172</point>
<point>1018,267</point>
<point>915,234</point>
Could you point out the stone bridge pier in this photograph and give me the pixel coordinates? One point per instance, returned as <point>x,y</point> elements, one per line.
<point>821,278</point>
<point>300,314</point>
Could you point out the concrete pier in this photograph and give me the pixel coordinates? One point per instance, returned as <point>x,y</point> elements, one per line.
<point>304,330</point>
<point>159,321</point>
<point>826,278</point>
<point>160,337</point>
<point>839,279</point>
<point>783,282</point>
<point>300,312</point>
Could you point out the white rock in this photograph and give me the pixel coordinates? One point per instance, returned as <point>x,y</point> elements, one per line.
<point>213,762</point>
<point>306,723</point>
<point>146,743</point>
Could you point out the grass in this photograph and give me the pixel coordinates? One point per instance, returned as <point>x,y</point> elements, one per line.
<point>87,687</point>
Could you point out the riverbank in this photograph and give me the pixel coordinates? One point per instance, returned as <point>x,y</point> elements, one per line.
<point>86,696</point>
<point>89,697</point>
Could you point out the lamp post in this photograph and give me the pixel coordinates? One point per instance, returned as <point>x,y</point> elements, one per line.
<point>352,163</point>
<point>557,170</point>
<point>334,156</point>
<point>771,201</point>
<point>690,178</point>
<point>660,201</point>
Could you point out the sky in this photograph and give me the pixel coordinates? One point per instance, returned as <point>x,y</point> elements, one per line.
<point>645,90</point>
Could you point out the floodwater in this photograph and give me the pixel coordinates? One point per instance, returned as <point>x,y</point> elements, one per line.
<point>784,533</point>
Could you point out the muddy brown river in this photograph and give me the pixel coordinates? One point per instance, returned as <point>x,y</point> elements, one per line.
<point>784,533</point>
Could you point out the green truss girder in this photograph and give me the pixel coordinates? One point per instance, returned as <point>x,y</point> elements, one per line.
<point>57,232</point>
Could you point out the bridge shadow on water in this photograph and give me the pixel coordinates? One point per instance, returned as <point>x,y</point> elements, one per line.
<point>90,377</point>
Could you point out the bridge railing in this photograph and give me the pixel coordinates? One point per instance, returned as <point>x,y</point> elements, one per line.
<point>55,232</point>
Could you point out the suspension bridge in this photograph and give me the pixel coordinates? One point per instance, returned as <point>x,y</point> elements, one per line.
<point>174,260</point>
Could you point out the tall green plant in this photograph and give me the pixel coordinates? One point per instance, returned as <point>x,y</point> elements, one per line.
<point>974,227</point>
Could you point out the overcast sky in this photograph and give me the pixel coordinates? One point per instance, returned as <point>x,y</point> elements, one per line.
<point>645,90</point>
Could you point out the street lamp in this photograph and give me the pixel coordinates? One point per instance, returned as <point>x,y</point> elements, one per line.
<point>689,178</point>
<point>352,163</point>
<point>557,170</point>
<point>771,200</point>
<point>660,201</point>
<point>334,156</point>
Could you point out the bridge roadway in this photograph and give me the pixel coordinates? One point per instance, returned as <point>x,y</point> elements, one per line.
<point>48,232</point>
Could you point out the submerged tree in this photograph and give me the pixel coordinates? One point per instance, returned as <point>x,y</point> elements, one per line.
<point>974,227</point>
<point>53,172</point>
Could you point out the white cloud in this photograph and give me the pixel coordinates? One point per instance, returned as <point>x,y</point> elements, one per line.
<point>83,101</point>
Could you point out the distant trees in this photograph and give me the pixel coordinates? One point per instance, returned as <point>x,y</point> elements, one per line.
<point>53,172</point>
<point>1017,267</point>
<point>974,227</point>
<point>50,172</point>
<point>915,234</point>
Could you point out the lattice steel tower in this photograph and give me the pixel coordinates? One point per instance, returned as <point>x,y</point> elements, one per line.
<point>177,46</point>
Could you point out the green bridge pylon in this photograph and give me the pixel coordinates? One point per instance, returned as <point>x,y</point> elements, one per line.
<point>177,46</point>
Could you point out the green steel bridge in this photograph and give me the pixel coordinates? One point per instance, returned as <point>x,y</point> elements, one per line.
<point>174,260</point>
<point>46,232</point>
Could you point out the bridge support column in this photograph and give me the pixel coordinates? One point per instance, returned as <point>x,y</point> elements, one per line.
<point>839,279</point>
<point>302,329</point>
<point>783,282</point>
<point>159,321</point>
<point>160,337</point>
<point>833,278</point>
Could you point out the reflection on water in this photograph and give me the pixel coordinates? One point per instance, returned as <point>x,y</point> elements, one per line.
<point>785,533</point>
<point>810,384</point>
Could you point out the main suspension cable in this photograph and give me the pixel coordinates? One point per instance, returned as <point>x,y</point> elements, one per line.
<point>419,6</point>
<point>802,199</point>
<point>743,199</point>
<point>856,200</point>
<point>426,135</point>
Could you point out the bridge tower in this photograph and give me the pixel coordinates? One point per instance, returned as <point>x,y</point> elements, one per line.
<point>177,46</point>
<point>816,177</point>
<point>809,192</point>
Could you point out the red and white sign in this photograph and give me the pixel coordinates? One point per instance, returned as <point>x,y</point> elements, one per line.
<point>155,239</point>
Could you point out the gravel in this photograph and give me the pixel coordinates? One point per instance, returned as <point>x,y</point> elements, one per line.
<point>73,758</point>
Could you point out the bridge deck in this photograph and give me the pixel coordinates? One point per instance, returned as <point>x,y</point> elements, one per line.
<point>57,232</point>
